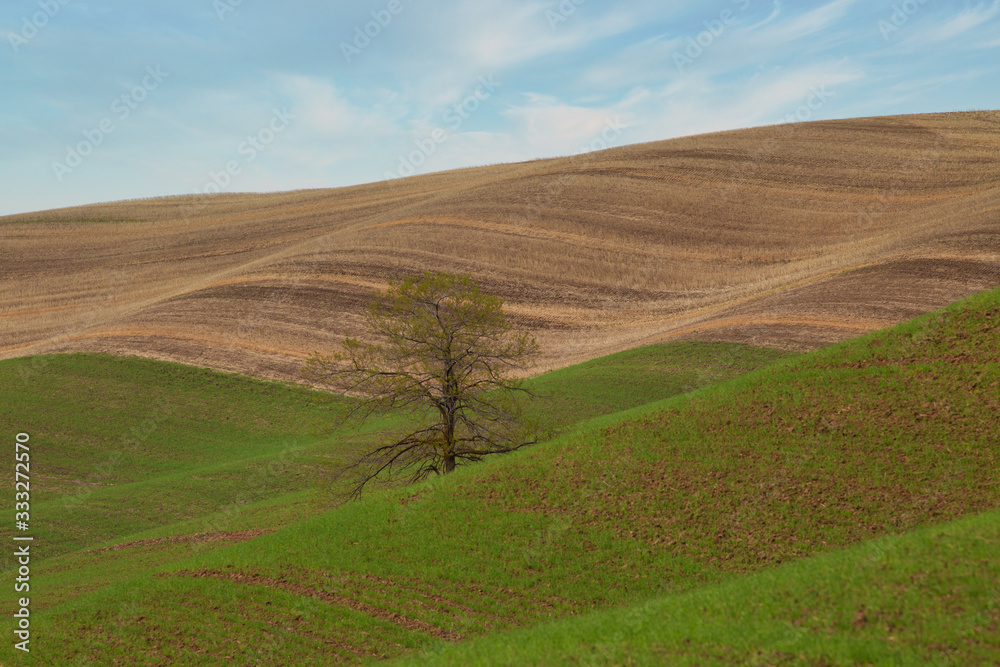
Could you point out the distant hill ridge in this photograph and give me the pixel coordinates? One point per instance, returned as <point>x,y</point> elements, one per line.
<point>789,236</point>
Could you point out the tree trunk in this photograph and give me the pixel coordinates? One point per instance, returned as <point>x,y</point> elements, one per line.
<point>449,463</point>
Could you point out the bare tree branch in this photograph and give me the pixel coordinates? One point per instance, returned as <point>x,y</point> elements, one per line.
<point>444,353</point>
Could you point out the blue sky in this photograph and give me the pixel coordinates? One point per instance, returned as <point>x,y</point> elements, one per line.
<point>115,99</point>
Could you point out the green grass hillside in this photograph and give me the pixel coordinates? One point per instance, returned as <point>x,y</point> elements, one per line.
<point>874,437</point>
<point>171,460</point>
<point>128,445</point>
<point>930,597</point>
<point>125,445</point>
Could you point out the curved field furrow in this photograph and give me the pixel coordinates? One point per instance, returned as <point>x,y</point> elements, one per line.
<point>406,622</point>
<point>792,236</point>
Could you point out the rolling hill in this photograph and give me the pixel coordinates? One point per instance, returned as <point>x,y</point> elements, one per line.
<point>172,443</point>
<point>924,598</point>
<point>790,236</point>
<point>700,501</point>
<point>176,504</point>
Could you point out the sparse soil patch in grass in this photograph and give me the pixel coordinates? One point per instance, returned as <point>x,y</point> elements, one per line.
<point>235,536</point>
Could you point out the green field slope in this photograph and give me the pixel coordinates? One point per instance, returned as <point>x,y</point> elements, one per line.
<point>931,597</point>
<point>128,445</point>
<point>125,445</point>
<point>871,438</point>
<point>170,460</point>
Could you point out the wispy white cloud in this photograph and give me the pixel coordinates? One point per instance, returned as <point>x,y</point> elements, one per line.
<point>936,82</point>
<point>494,34</point>
<point>641,63</point>
<point>962,22</point>
<point>550,126</point>
<point>705,103</point>
<point>560,83</point>
<point>775,13</point>
<point>323,109</point>
<point>467,40</point>
<point>783,92</point>
<point>933,30</point>
<point>804,25</point>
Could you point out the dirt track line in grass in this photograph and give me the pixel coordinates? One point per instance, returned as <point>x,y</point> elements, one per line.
<point>414,588</point>
<point>232,536</point>
<point>405,622</point>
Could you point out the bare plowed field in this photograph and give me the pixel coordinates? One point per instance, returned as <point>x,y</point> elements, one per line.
<point>792,236</point>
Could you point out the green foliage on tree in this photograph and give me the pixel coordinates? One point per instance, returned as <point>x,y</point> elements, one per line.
<point>444,354</point>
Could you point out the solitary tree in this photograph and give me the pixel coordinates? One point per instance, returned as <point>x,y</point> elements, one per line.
<point>445,354</point>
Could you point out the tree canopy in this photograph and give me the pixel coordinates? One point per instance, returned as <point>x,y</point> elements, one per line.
<point>444,353</point>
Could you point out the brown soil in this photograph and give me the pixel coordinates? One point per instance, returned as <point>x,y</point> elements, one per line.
<point>233,536</point>
<point>793,236</point>
<point>412,624</point>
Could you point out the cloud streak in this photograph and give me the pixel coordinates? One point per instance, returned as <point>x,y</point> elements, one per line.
<point>560,82</point>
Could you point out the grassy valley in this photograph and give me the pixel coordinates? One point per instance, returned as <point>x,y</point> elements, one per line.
<point>681,499</point>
